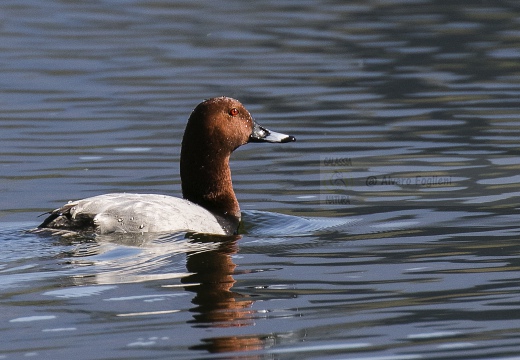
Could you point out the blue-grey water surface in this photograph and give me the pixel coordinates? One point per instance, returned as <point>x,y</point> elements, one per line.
<point>389,230</point>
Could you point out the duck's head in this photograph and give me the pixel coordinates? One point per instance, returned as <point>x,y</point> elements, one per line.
<point>224,124</point>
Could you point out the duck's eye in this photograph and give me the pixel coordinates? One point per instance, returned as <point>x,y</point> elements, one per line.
<point>233,112</point>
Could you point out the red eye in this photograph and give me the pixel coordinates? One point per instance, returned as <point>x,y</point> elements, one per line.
<point>233,112</point>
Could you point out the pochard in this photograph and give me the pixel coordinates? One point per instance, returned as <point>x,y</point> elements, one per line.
<point>215,128</point>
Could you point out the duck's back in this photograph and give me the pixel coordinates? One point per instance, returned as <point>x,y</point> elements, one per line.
<point>132,213</point>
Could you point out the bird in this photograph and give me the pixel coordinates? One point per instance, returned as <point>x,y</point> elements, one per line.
<point>215,128</point>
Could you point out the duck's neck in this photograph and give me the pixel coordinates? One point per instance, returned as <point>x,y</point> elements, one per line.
<point>206,181</point>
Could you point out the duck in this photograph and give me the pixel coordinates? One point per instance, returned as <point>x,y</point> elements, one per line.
<point>215,128</point>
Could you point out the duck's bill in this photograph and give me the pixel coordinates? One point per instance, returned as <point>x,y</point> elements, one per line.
<point>261,134</point>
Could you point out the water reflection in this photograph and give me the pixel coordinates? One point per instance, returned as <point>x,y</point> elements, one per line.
<point>216,304</point>
<point>127,258</point>
<point>210,269</point>
<point>211,280</point>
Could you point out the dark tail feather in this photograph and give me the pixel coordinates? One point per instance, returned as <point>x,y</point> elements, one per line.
<point>53,216</point>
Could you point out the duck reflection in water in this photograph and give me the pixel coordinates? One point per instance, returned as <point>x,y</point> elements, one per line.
<point>216,304</point>
<point>210,268</point>
<point>211,280</point>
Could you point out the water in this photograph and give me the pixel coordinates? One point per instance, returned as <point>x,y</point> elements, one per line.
<point>389,230</point>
